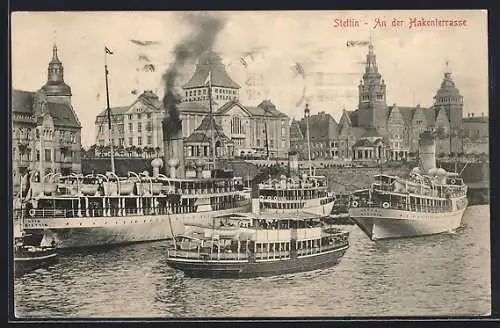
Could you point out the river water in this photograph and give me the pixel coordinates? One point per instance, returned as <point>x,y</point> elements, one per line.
<point>447,274</point>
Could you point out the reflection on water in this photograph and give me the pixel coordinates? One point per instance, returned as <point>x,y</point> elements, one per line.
<point>447,274</point>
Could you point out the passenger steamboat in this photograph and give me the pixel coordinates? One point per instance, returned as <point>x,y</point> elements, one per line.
<point>77,211</point>
<point>429,201</point>
<point>288,231</point>
<point>104,209</point>
<point>246,246</point>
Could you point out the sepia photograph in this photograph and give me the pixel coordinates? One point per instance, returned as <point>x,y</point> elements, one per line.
<point>250,164</point>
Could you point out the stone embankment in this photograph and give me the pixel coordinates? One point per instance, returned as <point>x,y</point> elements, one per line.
<point>345,180</point>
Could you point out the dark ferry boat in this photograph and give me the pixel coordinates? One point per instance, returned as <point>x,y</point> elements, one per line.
<point>245,246</point>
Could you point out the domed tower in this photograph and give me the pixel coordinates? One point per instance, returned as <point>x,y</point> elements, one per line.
<point>224,88</point>
<point>449,97</point>
<point>55,89</point>
<point>372,95</point>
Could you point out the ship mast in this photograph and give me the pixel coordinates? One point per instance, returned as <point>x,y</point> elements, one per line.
<point>307,114</point>
<point>211,118</point>
<point>108,109</point>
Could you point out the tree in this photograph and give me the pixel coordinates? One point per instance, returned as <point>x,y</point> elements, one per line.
<point>83,152</point>
<point>91,151</point>
<point>129,150</point>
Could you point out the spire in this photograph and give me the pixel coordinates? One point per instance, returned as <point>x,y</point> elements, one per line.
<point>371,60</point>
<point>55,59</point>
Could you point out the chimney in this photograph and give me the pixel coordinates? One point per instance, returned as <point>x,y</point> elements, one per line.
<point>293,164</point>
<point>173,144</point>
<point>427,151</point>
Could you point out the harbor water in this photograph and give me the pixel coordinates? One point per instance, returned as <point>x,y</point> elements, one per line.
<point>440,275</point>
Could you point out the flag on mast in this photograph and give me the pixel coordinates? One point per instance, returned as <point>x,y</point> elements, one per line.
<point>109,52</point>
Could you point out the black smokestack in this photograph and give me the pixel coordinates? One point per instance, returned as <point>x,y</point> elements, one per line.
<point>205,29</point>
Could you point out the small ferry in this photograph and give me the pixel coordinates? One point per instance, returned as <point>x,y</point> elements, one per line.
<point>97,209</point>
<point>246,246</point>
<point>29,257</point>
<point>306,193</point>
<point>428,201</point>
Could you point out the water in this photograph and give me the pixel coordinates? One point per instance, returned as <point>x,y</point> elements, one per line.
<point>447,274</point>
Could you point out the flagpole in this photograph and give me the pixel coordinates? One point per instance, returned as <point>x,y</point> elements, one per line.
<point>106,72</point>
<point>211,116</point>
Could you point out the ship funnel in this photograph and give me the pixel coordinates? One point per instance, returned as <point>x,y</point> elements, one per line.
<point>427,151</point>
<point>293,164</point>
<point>173,145</point>
<point>199,169</point>
<point>173,164</point>
<point>157,164</point>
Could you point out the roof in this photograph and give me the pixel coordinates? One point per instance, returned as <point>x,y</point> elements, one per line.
<point>114,111</point>
<point>353,116</point>
<point>368,143</point>
<point>266,108</point>
<point>203,133</point>
<point>430,115</point>
<point>357,131</point>
<point>321,125</point>
<point>63,115</point>
<point>193,107</point>
<point>295,131</point>
<point>22,101</point>
<point>230,104</point>
<point>210,62</point>
<point>370,132</point>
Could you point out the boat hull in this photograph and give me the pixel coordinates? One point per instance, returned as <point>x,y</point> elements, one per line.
<point>260,268</point>
<point>116,230</point>
<point>379,223</point>
<point>24,264</point>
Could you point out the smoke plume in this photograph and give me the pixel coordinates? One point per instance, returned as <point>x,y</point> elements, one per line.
<point>204,34</point>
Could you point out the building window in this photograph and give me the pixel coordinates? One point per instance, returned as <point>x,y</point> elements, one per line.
<point>139,116</point>
<point>130,141</point>
<point>148,115</point>
<point>139,127</point>
<point>149,126</point>
<point>130,117</point>
<point>150,140</point>
<point>139,141</point>
<point>48,156</point>
<point>130,127</point>
<point>37,155</point>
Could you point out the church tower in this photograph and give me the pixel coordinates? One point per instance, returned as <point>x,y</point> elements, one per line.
<point>448,97</point>
<point>372,95</point>
<point>55,89</point>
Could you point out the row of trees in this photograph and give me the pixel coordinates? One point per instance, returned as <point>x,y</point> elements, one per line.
<point>121,151</point>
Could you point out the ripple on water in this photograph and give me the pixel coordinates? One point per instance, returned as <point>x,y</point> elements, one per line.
<point>447,274</point>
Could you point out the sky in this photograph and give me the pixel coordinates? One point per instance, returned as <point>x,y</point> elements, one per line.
<point>411,60</point>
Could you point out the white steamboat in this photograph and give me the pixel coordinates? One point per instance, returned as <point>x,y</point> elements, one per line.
<point>428,201</point>
<point>93,210</point>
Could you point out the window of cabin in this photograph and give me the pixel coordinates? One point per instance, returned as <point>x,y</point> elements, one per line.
<point>139,141</point>
<point>139,127</point>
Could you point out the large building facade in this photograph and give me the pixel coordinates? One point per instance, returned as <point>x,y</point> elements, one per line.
<point>363,133</point>
<point>139,125</point>
<point>46,134</point>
